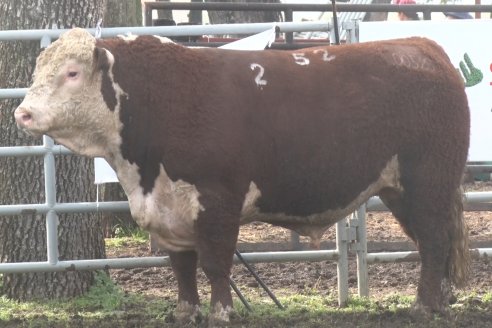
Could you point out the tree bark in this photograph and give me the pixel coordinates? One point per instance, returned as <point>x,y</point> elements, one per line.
<point>122,13</point>
<point>23,238</point>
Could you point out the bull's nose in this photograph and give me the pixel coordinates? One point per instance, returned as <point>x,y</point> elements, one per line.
<point>22,117</point>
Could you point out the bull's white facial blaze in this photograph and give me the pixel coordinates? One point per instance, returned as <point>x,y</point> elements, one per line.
<point>65,100</point>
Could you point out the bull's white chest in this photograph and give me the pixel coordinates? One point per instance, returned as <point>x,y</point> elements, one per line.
<point>168,212</point>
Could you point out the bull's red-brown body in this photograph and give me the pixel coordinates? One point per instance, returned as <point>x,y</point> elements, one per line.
<point>206,139</point>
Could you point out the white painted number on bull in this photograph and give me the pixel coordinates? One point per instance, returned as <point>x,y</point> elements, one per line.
<point>259,77</point>
<point>300,59</point>
<point>326,56</point>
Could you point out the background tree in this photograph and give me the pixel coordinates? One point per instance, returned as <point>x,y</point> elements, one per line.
<point>123,13</point>
<point>23,238</point>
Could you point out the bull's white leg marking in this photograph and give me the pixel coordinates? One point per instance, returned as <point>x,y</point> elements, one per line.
<point>326,56</point>
<point>185,312</point>
<point>300,58</point>
<point>259,78</point>
<point>219,315</point>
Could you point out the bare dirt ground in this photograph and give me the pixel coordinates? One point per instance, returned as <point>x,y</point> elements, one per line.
<point>304,277</point>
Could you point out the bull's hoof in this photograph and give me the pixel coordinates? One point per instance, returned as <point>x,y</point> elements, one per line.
<point>420,312</point>
<point>187,314</point>
<point>219,316</point>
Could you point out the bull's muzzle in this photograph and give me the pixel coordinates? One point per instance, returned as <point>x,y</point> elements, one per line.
<point>23,117</point>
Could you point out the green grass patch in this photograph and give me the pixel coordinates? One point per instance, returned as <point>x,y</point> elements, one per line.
<point>127,241</point>
<point>309,311</point>
<point>136,233</point>
<point>105,305</point>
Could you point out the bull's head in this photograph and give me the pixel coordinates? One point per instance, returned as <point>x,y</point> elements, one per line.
<point>65,99</point>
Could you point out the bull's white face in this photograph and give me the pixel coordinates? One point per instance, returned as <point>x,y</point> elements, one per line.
<point>65,99</point>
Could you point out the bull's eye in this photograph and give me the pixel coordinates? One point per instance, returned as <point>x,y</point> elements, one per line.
<point>72,74</point>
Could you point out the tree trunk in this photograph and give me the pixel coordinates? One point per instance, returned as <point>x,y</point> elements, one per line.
<point>123,13</point>
<point>231,17</point>
<point>23,238</point>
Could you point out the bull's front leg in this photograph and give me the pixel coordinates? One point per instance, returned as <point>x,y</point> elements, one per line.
<point>217,229</point>
<point>184,266</point>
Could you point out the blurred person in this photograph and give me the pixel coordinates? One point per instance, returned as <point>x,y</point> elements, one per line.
<point>406,14</point>
<point>457,15</point>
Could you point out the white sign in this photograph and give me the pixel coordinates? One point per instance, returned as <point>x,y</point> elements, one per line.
<point>254,42</point>
<point>467,44</point>
<point>103,173</point>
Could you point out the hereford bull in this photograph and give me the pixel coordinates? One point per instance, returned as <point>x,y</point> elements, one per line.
<point>203,140</point>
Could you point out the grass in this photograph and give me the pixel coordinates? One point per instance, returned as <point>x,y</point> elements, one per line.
<point>392,311</point>
<point>137,237</point>
<point>106,305</point>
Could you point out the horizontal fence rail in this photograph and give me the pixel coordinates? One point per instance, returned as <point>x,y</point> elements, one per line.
<point>184,30</point>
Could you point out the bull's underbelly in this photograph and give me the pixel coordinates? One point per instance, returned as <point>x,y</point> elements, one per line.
<point>315,224</point>
<point>169,212</point>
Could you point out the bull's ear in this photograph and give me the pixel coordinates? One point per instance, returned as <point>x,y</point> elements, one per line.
<point>101,60</point>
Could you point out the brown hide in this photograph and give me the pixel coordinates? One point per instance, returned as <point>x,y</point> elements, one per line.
<point>311,139</point>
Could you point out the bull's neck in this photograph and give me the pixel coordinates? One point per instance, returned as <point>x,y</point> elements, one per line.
<point>124,170</point>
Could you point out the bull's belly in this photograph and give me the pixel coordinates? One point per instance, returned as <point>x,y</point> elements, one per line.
<point>169,212</point>
<point>314,225</point>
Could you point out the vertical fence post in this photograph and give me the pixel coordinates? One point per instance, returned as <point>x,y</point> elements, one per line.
<point>342,263</point>
<point>361,252</point>
<point>289,17</point>
<point>295,241</point>
<point>50,194</point>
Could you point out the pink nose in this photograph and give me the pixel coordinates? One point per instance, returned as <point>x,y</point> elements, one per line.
<point>22,117</point>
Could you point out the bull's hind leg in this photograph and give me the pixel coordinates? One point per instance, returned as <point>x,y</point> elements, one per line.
<point>184,266</point>
<point>432,215</point>
<point>393,199</point>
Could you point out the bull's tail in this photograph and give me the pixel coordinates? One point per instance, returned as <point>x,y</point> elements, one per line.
<point>459,257</point>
